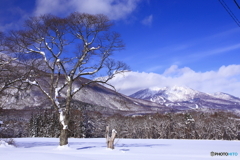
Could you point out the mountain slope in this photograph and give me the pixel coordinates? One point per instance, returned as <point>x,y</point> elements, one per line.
<point>166,94</point>
<point>182,98</point>
<point>95,95</point>
<point>150,100</point>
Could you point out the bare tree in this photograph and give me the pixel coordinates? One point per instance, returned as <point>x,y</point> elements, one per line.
<point>80,45</point>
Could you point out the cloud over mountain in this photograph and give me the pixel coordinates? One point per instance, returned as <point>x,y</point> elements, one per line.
<point>225,79</point>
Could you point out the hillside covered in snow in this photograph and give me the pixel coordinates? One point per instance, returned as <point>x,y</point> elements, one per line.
<point>183,98</point>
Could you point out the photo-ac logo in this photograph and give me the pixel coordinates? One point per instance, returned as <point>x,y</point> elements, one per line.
<point>223,154</point>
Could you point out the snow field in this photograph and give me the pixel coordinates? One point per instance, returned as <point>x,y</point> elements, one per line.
<point>125,149</point>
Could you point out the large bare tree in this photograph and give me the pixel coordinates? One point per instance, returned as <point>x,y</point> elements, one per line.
<point>80,45</point>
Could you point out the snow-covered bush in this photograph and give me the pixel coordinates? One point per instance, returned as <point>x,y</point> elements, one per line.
<point>7,142</point>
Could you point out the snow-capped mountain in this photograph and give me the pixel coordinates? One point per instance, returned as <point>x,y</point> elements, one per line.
<point>145,101</point>
<point>166,94</point>
<point>182,98</point>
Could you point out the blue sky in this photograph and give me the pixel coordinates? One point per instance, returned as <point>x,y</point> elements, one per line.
<point>168,42</point>
<point>199,34</point>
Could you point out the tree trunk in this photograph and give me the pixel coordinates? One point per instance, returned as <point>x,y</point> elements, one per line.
<point>64,120</point>
<point>110,140</point>
<point>64,137</point>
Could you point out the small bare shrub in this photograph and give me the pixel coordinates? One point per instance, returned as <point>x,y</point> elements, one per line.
<point>9,141</point>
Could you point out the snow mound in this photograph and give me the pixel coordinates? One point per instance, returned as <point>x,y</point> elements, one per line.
<point>64,147</point>
<point>4,144</point>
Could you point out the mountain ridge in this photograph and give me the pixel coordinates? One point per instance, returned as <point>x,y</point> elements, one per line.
<point>182,98</point>
<point>145,101</point>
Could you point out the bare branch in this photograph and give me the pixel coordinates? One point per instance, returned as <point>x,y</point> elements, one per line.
<point>2,39</point>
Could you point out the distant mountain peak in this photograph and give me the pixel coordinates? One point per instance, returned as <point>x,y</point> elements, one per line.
<point>174,88</point>
<point>173,93</point>
<point>180,97</point>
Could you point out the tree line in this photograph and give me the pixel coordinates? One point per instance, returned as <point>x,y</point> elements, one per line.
<point>92,124</point>
<point>188,125</point>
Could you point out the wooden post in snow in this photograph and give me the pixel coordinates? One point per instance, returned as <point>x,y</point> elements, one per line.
<point>110,140</point>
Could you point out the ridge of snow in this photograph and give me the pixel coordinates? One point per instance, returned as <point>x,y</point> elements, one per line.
<point>174,93</point>
<point>225,96</point>
<point>222,95</point>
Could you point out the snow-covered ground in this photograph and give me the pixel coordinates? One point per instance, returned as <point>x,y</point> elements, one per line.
<point>126,149</point>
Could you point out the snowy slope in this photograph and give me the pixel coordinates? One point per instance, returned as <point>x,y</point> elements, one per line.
<point>182,98</point>
<point>172,94</point>
<point>96,95</point>
<point>144,101</point>
<point>226,96</point>
<point>126,149</point>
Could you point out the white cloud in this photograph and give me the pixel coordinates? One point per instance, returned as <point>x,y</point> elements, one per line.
<point>148,20</point>
<point>115,9</point>
<point>225,79</point>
